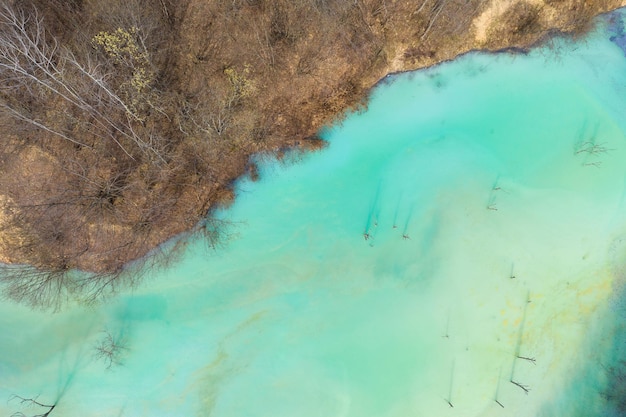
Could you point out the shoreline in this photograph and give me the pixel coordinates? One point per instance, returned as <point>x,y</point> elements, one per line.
<point>290,131</point>
<point>511,50</point>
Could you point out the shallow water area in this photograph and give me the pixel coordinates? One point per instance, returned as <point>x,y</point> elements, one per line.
<point>454,246</point>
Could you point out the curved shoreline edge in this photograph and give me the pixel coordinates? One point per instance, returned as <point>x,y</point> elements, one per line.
<point>296,143</point>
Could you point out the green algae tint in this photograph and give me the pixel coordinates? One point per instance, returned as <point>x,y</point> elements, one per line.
<point>456,245</point>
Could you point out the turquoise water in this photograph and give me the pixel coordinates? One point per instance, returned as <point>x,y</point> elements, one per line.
<point>460,241</point>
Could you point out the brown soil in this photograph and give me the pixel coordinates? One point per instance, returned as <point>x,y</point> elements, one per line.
<point>232,78</point>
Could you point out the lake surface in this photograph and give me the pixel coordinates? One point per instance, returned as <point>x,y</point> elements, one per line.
<point>459,243</point>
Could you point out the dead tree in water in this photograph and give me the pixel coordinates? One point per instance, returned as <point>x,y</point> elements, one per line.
<point>30,402</point>
<point>531,360</point>
<point>109,349</point>
<point>525,388</point>
<point>592,148</point>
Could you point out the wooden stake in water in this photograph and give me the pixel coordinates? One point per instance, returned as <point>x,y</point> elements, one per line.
<point>498,389</point>
<point>518,346</point>
<point>495,186</point>
<point>405,231</point>
<point>372,214</point>
<point>449,399</point>
<point>521,327</point>
<point>395,214</point>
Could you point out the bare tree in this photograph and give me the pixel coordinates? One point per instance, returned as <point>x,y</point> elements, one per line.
<point>42,288</point>
<point>436,10</point>
<point>109,349</point>
<point>44,409</point>
<point>34,64</point>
